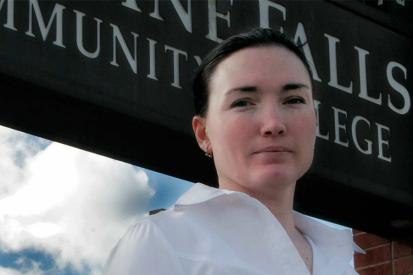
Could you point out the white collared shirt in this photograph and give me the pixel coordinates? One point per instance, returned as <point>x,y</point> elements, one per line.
<point>211,231</point>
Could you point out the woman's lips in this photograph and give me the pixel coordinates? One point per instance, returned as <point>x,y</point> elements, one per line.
<point>273,149</point>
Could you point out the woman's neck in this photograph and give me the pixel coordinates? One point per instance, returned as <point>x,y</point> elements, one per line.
<point>280,204</point>
<point>279,200</point>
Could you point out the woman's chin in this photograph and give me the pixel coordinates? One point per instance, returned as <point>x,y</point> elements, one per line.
<point>273,177</point>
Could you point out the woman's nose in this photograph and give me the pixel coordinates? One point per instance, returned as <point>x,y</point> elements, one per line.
<point>272,123</point>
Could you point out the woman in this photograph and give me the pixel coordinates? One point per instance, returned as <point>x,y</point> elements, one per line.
<point>255,118</point>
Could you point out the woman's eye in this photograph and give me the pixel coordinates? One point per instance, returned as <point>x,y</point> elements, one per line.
<point>295,100</point>
<point>241,103</point>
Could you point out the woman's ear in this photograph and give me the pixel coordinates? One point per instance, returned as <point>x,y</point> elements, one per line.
<point>199,128</point>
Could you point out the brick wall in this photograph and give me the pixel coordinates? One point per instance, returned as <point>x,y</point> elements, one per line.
<point>383,256</point>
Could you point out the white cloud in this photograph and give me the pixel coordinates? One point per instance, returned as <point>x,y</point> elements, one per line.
<point>69,203</point>
<point>14,150</point>
<point>10,271</point>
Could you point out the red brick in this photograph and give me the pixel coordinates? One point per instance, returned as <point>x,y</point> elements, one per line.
<point>403,266</point>
<point>384,269</point>
<point>369,240</point>
<point>373,256</point>
<point>401,250</point>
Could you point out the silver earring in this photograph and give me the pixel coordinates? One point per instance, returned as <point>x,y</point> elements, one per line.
<point>208,154</point>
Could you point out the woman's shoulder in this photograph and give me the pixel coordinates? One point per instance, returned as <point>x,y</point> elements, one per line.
<point>163,227</point>
<point>140,245</point>
<point>144,227</point>
<point>147,226</point>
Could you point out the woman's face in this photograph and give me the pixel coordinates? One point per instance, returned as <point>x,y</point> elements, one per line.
<point>260,123</point>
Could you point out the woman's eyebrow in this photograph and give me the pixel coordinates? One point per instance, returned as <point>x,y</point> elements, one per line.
<point>253,89</point>
<point>294,86</point>
<point>245,89</point>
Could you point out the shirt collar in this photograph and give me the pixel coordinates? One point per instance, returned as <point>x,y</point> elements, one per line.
<point>321,233</point>
<point>200,193</point>
<point>325,235</point>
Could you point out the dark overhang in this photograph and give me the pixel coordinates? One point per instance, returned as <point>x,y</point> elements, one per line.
<point>114,78</point>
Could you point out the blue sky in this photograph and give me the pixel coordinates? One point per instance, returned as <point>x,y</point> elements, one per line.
<point>63,209</point>
<point>168,189</point>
